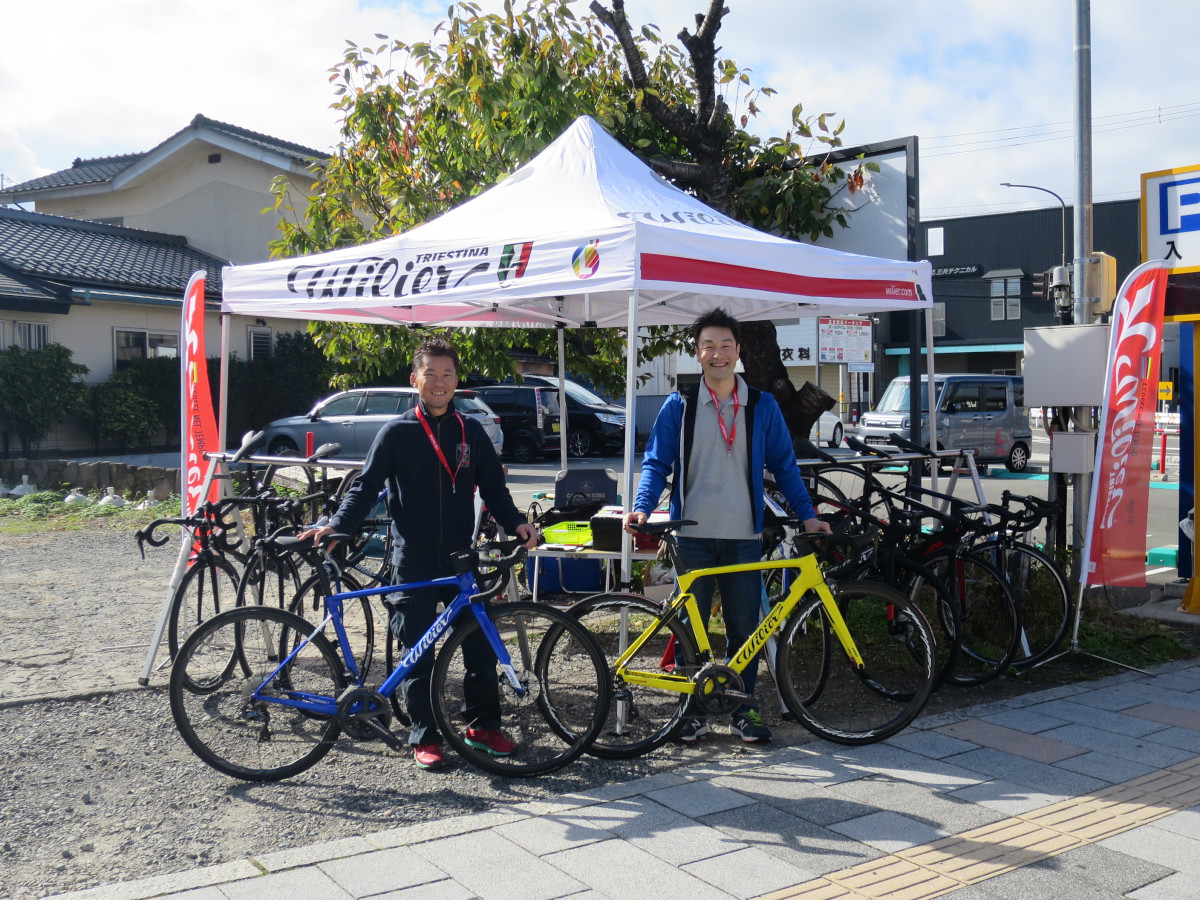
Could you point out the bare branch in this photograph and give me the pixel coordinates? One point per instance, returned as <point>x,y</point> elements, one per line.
<point>702,49</point>
<point>618,23</point>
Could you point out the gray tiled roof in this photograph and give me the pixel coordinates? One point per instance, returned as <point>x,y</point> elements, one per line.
<point>108,257</point>
<point>105,168</point>
<point>82,171</point>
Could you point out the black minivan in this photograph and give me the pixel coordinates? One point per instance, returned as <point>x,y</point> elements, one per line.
<point>593,424</point>
<point>528,417</point>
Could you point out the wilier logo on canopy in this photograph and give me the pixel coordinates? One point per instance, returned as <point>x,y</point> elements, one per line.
<point>513,261</point>
<point>586,260</point>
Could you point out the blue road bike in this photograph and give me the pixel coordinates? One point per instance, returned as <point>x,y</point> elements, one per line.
<point>261,694</point>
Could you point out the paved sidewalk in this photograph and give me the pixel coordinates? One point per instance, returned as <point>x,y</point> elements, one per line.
<point>1090,790</point>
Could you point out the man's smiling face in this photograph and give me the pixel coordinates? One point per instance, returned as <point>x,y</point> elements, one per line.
<point>717,351</point>
<point>435,382</point>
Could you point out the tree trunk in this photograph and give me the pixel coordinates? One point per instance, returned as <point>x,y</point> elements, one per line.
<point>765,370</point>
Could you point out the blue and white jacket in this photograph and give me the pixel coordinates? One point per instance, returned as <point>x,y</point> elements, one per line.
<point>770,447</point>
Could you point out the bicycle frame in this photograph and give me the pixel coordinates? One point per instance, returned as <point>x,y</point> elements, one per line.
<point>328,706</point>
<point>808,578</point>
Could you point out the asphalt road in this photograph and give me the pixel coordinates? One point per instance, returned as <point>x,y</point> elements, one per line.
<point>1162,534</point>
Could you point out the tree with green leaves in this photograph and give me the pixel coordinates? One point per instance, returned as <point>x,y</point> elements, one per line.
<point>426,126</point>
<point>38,390</point>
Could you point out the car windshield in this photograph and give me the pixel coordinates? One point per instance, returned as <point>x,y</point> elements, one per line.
<point>469,403</point>
<point>895,398</point>
<point>581,394</point>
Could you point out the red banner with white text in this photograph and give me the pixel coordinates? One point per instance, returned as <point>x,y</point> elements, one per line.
<point>1115,546</point>
<point>199,425</point>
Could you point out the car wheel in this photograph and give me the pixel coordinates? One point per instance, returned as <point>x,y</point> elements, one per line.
<point>282,446</point>
<point>1018,458</point>
<point>836,440</point>
<point>524,450</point>
<point>579,443</point>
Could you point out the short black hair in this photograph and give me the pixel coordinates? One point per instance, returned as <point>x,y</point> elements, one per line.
<point>434,347</point>
<point>716,318</point>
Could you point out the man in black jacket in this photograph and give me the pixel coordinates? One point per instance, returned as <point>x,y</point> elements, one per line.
<point>432,460</point>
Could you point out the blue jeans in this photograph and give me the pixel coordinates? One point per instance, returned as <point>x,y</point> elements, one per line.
<point>411,614</point>
<point>741,592</point>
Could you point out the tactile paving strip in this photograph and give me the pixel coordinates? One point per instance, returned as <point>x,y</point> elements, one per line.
<point>946,865</point>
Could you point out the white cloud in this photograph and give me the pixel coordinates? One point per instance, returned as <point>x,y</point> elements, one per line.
<point>89,79</point>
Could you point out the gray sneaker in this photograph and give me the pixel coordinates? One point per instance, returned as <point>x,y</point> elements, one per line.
<point>748,725</point>
<point>692,730</point>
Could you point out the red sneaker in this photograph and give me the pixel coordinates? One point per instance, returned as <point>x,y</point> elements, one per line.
<point>493,742</point>
<point>429,756</point>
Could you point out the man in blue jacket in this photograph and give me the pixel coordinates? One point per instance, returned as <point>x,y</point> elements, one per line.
<point>712,442</point>
<point>433,459</point>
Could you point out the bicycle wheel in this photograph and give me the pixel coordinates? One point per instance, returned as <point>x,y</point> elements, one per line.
<point>564,682</point>
<point>989,617</point>
<point>357,617</point>
<point>929,593</point>
<point>269,579</point>
<point>857,706</point>
<point>639,718</point>
<point>229,658</point>
<point>209,586</point>
<point>1041,592</point>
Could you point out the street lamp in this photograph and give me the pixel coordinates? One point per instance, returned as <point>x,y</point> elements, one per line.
<point>1063,203</point>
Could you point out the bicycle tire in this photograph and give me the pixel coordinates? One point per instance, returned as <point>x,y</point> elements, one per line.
<point>989,616</point>
<point>924,588</point>
<point>208,587</point>
<point>358,618</point>
<point>1042,596</point>
<point>640,719</point>
<point>566,683</point>
<point>219,667</point>
<point>269,579</point>
<point>858,707</point>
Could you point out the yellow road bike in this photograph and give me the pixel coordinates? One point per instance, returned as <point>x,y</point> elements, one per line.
<point>853,661</point>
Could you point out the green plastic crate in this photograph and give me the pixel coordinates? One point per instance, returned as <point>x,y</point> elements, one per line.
<point>568,533</point>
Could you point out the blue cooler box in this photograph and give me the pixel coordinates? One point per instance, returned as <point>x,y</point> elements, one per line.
<point>566,576</point>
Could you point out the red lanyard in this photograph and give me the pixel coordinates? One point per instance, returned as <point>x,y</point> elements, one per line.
<point>462,450</point>
<point>726,433</point>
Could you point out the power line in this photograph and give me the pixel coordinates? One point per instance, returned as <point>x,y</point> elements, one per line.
<point>1059,135</point>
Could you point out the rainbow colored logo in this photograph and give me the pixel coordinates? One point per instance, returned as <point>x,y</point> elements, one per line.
<point>586,260</point>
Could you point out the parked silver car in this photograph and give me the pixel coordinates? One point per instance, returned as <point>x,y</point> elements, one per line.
<point>353,418</point>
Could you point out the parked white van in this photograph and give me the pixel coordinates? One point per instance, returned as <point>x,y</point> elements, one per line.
<point>984,413</point>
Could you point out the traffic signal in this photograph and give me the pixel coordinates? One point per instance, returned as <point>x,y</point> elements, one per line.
<point>1040,280</point>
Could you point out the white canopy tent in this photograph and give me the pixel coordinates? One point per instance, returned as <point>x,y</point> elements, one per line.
<point>583,235</point>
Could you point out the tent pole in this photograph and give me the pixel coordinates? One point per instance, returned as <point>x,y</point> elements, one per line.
<point>223,389</point>
<point>933,445</point>
<point>631,348</point>
<point>563,424</point>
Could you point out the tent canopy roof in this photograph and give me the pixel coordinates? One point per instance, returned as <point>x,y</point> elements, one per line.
<point>570,237</point>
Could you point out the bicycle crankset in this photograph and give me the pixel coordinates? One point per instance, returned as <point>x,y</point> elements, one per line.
<point>365,715</point>
<point>719,689</point>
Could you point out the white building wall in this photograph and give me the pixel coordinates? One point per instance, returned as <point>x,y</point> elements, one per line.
<point>216,206</point>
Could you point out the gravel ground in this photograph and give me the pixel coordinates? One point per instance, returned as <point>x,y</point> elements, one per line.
<point>100,789</point>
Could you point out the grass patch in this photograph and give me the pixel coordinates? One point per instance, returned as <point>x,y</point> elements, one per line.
<point>46,511</point>
<point>1129,640</point>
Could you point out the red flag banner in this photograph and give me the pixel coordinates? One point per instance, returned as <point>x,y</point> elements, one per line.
<point>1115,545</point>
<point>199,425</point>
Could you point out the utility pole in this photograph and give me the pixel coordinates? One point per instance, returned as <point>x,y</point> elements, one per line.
<point>1084,282</point>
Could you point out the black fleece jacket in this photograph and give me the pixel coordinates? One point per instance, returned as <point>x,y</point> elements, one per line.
<point>429,519</point>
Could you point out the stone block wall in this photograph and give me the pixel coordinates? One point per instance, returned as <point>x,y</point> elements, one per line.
<point>63,474</point>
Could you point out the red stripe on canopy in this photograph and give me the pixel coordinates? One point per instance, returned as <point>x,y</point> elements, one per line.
<point>656,267</point>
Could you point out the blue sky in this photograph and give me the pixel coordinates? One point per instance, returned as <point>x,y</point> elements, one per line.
<point>987,87</point>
